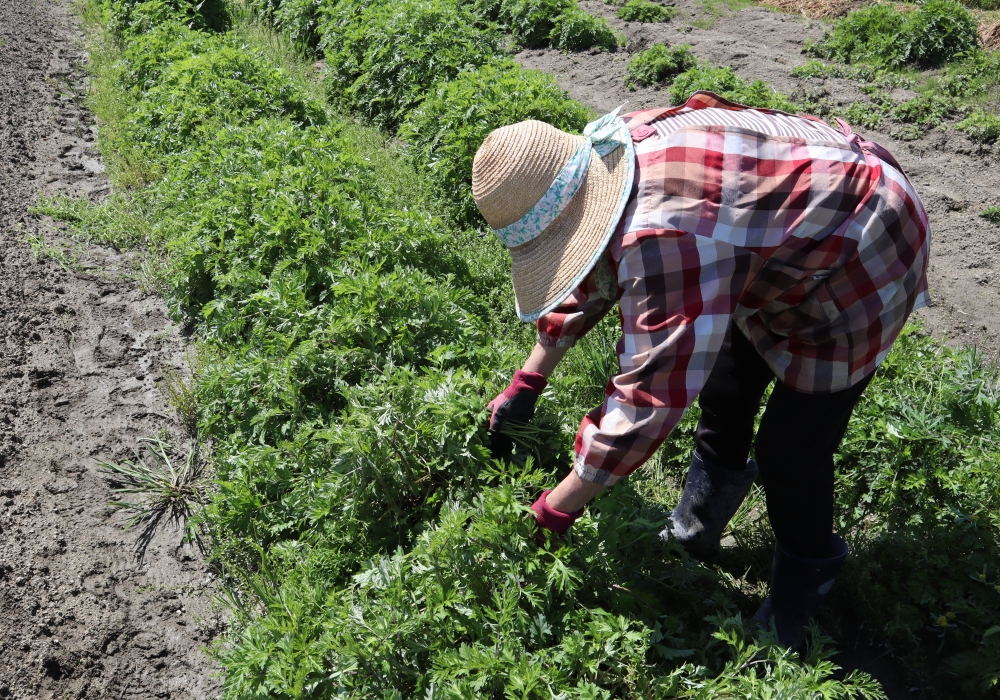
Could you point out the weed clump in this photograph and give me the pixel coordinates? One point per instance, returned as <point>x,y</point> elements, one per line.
<point>981,127</point>
<point>725,83</point>
<point>645,11</point>
<point>658,64</point>
<point>935,33</point>
<point>446,130</point>
<point>992,214</point>
<point>576,29</point>
<point>531,21</point>
<point>928,109</point>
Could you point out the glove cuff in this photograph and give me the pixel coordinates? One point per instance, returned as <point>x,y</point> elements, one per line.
<point>530,381</point>
<point>550,518</point>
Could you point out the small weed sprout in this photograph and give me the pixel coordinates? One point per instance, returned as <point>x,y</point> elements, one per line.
<point>992,215</point>
<point>159,483</point>
<point>181,391</point>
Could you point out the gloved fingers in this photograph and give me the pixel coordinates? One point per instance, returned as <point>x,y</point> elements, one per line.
<point>501,446</point>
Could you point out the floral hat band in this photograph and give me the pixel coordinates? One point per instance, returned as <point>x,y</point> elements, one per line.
<point>604,136</point>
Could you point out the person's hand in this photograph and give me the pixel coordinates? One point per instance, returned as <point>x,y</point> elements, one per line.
<point>515,404</point>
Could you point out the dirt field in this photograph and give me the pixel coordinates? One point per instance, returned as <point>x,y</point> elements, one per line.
<point>953,176</point>
<point>81,356</point>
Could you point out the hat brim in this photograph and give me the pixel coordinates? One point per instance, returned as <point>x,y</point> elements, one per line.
<point>547,269</point>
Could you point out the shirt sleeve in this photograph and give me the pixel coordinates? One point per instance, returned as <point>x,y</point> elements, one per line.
<point>679,291</point>
<point>582,310</point>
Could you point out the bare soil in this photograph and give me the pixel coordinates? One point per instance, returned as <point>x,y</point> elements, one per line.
<point>82,349</point>
<point>955,178</point>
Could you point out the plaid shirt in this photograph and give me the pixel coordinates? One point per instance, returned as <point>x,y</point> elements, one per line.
<point>816,248</point>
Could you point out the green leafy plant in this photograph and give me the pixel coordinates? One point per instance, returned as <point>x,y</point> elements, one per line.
<point>645,11</point>
<point>658,65</point>
<point>576,29</point>
<point>725,83</point>
<point>384,64</point>
<point>446,130</point>
<point>925,110</point>
<point>532,21</point>
<point>992,214</point>
<point>132,17</point>
<point>981,127</point>
<point>210,89</point>
<point>938,31</point>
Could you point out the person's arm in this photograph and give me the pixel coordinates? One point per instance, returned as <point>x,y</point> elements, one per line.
<point>675,315</point>
<point>544,358</point>
<point>558,331</point>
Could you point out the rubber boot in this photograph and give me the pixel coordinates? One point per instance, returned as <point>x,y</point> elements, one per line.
<point>711,497</point>
<point>798,587</point>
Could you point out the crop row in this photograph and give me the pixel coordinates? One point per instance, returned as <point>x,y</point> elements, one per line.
<point>354,320</point>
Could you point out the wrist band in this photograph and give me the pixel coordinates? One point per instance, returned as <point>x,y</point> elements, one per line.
<point>552,519</point>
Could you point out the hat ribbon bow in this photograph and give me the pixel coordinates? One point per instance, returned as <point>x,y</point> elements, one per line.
<point>604,136</point>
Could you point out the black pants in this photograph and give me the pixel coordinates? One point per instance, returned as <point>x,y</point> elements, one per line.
<point>798,436</point>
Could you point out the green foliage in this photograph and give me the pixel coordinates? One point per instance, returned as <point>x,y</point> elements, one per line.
<point>725,83</point>
<point>645,11</point>
<point>928,109</point>
<point>370,546</point>
<point>446,130</point>
<point>223,84</point>
<point>159,485</point>
<point>981,127</point>
<point>992,214</point>
<point>383,64</point>
<point>576,29</point>
<point>866,115</point>
<point>658,64</point>
<point>295,19</point>
<point>916,484</point>
<point>498,614</point>
<point>532,21</point>
<point>132,17</point>
<point>938,31</point>
<point>982,4</point>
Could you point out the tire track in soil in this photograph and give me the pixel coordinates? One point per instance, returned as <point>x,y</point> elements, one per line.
<point>81,353</point>
<point>955,178</point>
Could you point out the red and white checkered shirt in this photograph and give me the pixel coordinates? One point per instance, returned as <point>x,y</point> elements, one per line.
<point>815,246</point>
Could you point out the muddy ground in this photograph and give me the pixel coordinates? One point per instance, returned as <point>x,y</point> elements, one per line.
<point>83,349</point>
<point>955,178</point>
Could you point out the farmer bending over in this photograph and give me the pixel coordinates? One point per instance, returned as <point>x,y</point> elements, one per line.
<point>742,246</point>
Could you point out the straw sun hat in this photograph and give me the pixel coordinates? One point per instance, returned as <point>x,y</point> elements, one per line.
<point>554,199</point>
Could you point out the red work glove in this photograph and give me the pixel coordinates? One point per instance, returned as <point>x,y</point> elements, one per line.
<point>515,404</point>
<point>550,518</point>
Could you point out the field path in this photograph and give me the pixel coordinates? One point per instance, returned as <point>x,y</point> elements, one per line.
<point>955,178</point>
<point>81,352</point>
